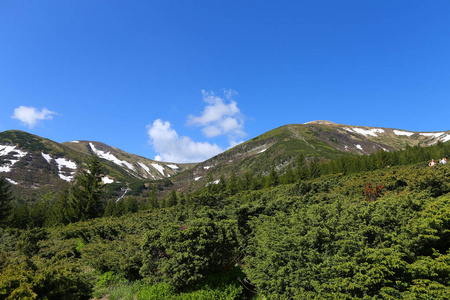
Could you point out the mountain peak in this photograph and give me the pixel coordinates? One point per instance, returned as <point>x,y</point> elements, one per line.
<point>321,122</point>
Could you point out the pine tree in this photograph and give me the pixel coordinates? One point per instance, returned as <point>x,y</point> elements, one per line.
<point>110,208</point>
<point>301,172</point>
<point>6,198</point>
<point>87,192</point>
<point>20,216</point>
<point>232,186</point>
<point>152,200</point>
<point>61,213</point>
<point>131,205</point>
<point>119,208</point>
<point>172,200</point>
<point>272,179</point>
<point>289,176</point>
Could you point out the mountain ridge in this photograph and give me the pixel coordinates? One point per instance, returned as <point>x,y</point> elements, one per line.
<point>34,162</point>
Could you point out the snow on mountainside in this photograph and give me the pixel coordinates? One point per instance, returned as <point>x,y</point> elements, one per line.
<point>31,162</point>
<point>136,166</point>
<point>277,148</point>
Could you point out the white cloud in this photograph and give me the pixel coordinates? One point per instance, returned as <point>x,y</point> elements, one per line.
<point>30,115</point>
<point>174,148</point>
<point>220,116</point>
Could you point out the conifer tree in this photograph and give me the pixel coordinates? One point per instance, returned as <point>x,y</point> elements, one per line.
<point>87,192</point>
<point>172,200</point>
<point>110,208</point>
<point>301,172</point>
<point>152,200</point>
<point>6,198</point>
<point>20,216</point>
<point>119,208</point>
<point>272,179</point>
<point>131,205</point>
<point>289,175</point>
<point>60,212</point>
<point>232,186</point>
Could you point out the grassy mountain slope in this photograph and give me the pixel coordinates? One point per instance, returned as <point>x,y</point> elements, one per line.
<point>275,149</point>
<point>35,165</point>
<point>322,139</point>
<point>137,166</point>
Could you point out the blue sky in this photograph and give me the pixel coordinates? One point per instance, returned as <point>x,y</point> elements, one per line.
<point>184,80</point>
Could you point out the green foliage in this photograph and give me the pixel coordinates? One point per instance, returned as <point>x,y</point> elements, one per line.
<point>24,279</point>
<point>6,199</point>
<point>351,250</point>
<point>85,200</point>
<point>172,199</point>
<point>221,286</point>
<point>183,254</point>
<point>309,234</point>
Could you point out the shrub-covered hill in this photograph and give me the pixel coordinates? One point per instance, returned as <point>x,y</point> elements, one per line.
<point>381,234</point>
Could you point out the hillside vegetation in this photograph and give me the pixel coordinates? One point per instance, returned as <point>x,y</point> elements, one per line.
<point>364,227</point>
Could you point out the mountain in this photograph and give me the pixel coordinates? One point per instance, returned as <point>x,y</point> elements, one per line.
<point>136,166</point>
<point>34,164</point>
<point>325,140</point>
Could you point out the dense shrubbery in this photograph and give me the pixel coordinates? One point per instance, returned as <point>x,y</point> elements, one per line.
<point>323,231</point>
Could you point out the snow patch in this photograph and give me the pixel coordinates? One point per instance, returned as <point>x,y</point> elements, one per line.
<point>262,150</point>
<point>18,154</point>
<point>11,181</point>
<point>66,163</point>
<point>111,157</point>
<point>107,180</point>
<point>366,132</point>
<point>47,157</point>
<point>445,138</point>
<point>358,146</point>
<point>74,142</point>
<point>385,150</point>
<point>159,168</point>
<point>4,150</point>
<point>433,134</point>
<point>174,167</point>
<point>346,148</point>
<point>147,169</point>
<point>207,167</point>
<point>213,182</point>
<point>62,162</point>
<point>400,132</point>
<point>66,178</point>
<point>197,178</point>
<point>6,168</point>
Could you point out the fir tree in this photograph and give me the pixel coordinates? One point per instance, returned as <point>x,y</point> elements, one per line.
<point>232,186</point>
<point>61,212</point>
<point>172,200</point>
<point>131,206</point>
<point>6,198</point>
<point>152,200</point>
<point>110,208</point>
<point>272,179</point>
<point>87,192</point>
